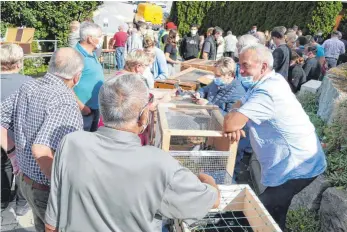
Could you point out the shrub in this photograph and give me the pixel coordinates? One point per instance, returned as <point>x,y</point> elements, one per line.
<point>302,220</point>
<point>310,105</point>
<point>240,16</point>
<point>50,19</point>
<point>35,66</point>
<point>333,135</point>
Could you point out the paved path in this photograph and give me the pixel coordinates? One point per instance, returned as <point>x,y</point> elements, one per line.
<point>118,13</point>
<point>9,221</point>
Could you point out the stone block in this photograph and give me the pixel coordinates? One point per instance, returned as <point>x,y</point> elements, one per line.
<point>332,92</point>
<point>333,210</point>
<point>311,86</point>
<point>311,196</point>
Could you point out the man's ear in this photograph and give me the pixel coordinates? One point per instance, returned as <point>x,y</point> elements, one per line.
<point>264,67</point>
<point>77,77</point>
<point>144,117</point>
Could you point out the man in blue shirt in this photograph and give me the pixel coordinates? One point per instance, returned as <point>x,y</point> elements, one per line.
<point>281,134</point>
<point>320,51</point>
<point>87,90</point>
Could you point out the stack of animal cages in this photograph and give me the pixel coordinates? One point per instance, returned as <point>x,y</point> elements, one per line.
<point>240,210</point>
<point>193,135</point>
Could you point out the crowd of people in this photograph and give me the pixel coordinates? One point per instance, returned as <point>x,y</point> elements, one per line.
<point>78,144</point>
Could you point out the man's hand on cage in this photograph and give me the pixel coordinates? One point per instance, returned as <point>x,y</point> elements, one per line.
<point>235,136</point>
<point>204,178</point>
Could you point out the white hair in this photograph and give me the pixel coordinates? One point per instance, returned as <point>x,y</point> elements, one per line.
<point>66,63</point>
<point>11,56</point>
<point>89,29</point>
<point>246,40</point>
<point>121,100</point>
<point>263,54</point>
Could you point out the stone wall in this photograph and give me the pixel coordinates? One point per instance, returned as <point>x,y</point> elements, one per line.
<point>333,90</point>
<point>329,202</point>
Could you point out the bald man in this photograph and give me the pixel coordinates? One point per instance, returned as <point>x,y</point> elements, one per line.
<point>119,40</point>
<point>261,37</point>
<point>41,113</point>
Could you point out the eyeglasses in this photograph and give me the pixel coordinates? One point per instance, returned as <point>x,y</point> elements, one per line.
<point>150,100</point>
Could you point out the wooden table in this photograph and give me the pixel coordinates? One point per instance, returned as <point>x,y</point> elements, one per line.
<point>199,63</point>
<point>189,79</point>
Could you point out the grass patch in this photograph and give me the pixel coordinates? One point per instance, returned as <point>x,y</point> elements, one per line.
<point>302,220</point>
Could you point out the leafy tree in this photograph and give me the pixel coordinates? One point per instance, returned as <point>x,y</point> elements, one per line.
<point>323,17</point>
<point>50,19</point>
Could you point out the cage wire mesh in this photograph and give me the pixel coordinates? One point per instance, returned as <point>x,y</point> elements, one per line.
<point>189,119</point>
<point>213,163</point>
<point>237,201</point>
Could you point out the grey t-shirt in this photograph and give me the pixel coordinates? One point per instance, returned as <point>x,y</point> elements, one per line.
<point>10,83</point>
<point>106,181</point>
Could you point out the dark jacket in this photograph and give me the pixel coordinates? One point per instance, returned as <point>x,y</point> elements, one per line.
<point>210,43</point>
<point>189,48</point>
<point>312,69</point>
<point>223,96</point>
<point>282,55</point>
<point>296,77</point>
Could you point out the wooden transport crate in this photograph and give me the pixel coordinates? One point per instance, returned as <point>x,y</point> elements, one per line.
<point>240,210</point>
<point>198,63</point>
<point>21,36</point>
<point>170,84</point>
<point>182,127</point>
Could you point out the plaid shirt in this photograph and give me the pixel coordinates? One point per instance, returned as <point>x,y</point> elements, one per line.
<point>333,48</point>
<point>40,112</point>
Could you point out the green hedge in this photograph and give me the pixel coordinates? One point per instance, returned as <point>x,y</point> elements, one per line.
<point>50,19</point>
<point>240,16</point>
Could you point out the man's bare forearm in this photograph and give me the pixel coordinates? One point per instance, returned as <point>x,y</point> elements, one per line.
<point>6,142</point>
<point>44,158</point>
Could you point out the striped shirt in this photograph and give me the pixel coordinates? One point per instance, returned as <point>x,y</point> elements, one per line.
<point>40,112</point>
<point>333,48</point>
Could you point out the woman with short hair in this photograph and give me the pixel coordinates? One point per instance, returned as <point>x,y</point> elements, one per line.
<point>159,68</point>
<point>225,90</point>
<point>296,74</point>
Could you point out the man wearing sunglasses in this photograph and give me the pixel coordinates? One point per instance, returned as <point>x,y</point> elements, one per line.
<point>106,181</point>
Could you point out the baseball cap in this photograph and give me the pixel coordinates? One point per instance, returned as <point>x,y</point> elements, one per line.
<point>171,25</point>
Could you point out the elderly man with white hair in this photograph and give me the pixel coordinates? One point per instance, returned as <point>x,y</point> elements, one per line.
<point>281,134</point>
<point>12,57</point>
<point>244,41</point>
<point>106,181</point>
<point>92,77</point>
<point>41,113</point>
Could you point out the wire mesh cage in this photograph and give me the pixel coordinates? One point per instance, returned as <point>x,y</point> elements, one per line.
<point>213,163</point>
<point>240,210</point>
<point>193,134</point>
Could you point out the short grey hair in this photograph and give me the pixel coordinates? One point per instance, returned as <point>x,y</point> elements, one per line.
<point>121,100</point>
<point>264,54</point>
<point>245,41</point>
<point>90,29</point>
<point>261,37</point>
<point>11,55</point>
<point>66,63</point>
